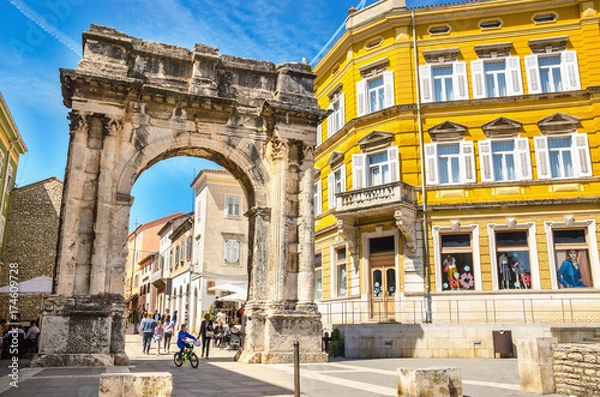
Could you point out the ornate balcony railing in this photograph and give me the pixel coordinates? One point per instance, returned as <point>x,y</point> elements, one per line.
<point>373,196</point>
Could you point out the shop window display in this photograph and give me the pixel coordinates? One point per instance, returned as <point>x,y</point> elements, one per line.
<point>457,263</point>
<point>572,259</point>
<point>514,269</point>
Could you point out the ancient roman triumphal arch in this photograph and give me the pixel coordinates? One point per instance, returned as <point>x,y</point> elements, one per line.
<point>137,102</point>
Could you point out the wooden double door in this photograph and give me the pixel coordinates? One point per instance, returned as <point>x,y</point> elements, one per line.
<point>383,286</point>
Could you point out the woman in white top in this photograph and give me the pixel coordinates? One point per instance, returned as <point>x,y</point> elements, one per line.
<point>168,333</point>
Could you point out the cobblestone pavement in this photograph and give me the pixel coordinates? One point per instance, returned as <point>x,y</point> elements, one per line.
<point>220,375</point>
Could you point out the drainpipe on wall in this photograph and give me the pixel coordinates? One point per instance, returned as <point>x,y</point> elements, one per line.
<point>423,193</point>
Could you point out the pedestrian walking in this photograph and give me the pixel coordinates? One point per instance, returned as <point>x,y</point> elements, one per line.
<point>207,333</point>
<point>148,325</point>
<point>136,320</point>
<point>158,336</point>
<point>169,326</point>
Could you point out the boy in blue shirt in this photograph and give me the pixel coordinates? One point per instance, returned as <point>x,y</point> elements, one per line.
<point>181,339</point>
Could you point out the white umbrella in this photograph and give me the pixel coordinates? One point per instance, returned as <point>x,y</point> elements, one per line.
<point>36,285</point>
<point>230,288</point>
<point>237,297</point>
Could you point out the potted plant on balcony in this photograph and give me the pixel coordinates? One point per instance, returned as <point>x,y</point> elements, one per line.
<point>336,345</point>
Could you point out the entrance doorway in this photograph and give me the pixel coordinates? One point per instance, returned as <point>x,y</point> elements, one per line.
<point>383,279</point>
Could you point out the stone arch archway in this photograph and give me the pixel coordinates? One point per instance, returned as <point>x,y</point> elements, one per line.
<point>135,103</point>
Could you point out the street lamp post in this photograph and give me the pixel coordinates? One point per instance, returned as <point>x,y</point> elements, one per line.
<point>189,296</point>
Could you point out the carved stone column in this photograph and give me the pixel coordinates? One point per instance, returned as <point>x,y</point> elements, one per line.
<point>84,323</point>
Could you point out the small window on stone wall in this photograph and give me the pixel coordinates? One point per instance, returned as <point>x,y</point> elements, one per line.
<point>545,17</point>
<point>490,24</point>
<point>439,29</point>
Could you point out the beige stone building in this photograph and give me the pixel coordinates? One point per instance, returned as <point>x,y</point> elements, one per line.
<point>31,236</point>
<point>220,238</point>
<point>142,243</point>
<point>176,258</point>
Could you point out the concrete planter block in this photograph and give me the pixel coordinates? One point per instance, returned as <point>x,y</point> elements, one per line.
<point>429,382</point>
<point>139,384</point>
<point>535,364</point>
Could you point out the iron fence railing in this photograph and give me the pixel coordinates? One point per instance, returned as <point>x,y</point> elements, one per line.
<point>456,311</point>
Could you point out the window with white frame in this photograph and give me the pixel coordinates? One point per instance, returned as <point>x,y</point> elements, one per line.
<point>319,134</point>
<point>317,193</point>
<point>494,78</point>
<point>318,269</point>
<point>444,82</point>
<point>188,253</point>
<point>563,156</point>
<point>233,206</point>
<point>337,118</point>
<point>341,272</point>
<point>512,255</point>
<point>572,258</point>
<point>375,92</point>
<point>336,183</point>
<point>457,262</point>
<point>504,160</point>
<point>232,250</point>
<point>377,168</point>
<point>450,163</point>
<point>552,68</point>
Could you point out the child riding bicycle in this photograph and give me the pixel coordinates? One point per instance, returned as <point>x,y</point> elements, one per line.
<point>181,339</point>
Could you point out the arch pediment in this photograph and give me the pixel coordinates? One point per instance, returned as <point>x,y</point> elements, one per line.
<point>335,159</point>
<point>558,123</point>
<point>502,127</point>
<point>447,131</point>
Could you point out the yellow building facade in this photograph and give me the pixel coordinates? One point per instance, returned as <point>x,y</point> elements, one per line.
<point>458,174</point>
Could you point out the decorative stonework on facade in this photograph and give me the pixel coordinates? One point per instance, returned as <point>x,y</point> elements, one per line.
<point>135,103</point>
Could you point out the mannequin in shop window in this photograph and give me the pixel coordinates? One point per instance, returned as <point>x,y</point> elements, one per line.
<point>569,273</point>
<point>504,268</point>
<point>519,269</point>
<point>449,267</point>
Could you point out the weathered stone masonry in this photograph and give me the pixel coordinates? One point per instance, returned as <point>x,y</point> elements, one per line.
<point>31,236</point>
<point>135,103</point>
<point>577,369</point>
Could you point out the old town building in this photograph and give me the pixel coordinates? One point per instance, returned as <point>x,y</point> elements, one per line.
<point>458,174</point>
<point>11,147</point>
<point>143,246</point>
<point>31,237</point>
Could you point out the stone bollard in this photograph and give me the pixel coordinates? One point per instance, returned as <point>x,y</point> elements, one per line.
<point>138,384</point>
<point>429,382</point>
<point>534,357</point>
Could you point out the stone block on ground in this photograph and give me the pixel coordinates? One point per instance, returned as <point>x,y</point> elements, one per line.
<point>141,384</point>
<point>429,382</point>
<point>535,364</point>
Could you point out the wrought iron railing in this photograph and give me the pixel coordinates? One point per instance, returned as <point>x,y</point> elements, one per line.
<point>528,310</point>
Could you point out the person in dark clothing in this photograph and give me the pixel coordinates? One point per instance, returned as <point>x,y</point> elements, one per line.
<point>207,333</point>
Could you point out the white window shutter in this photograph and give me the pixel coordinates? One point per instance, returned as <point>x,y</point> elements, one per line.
<point>581,156</point>
<point>570,70</point>
<point>318,197</point>
<point>485,160</point>
<point>330,122</point>
<point>522,159</point>
<point>343,174</point>
<point>542,157</point>
<point>359,177</point>
<point>514,80</point>
<point>533,74</point>
<point>388,89</point>
<point>342,111</point>
<point>431,164</point>
<point>459,79</point>
<point>319,134</point>
<point>478,80</point>
<point>426,83</point>
<point>394,165</point>
<point>468,156</point>
<point>361,97</point>
<point>331,190</point>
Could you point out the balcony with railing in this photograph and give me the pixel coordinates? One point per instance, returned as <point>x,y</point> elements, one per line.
<point>375,197</point>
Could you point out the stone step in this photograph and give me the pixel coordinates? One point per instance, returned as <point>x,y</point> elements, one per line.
<point>595,339</point>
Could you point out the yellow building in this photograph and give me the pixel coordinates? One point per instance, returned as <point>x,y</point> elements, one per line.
<point>460,164</point>
<point>11,147</point>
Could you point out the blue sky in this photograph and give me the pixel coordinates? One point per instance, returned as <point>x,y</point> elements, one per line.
<point>37,37</point>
